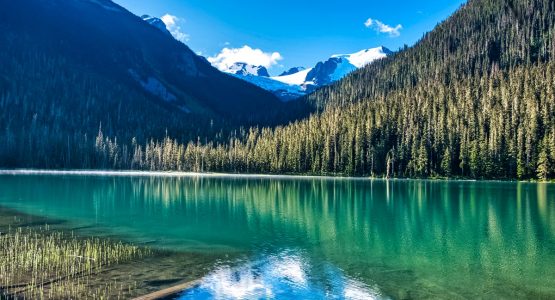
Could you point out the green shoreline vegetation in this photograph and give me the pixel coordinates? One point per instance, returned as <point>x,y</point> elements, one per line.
<point>45,264</point>
<point>60,261</point>
<point>501,138</point>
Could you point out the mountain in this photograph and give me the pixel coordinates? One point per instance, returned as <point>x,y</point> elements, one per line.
<point>156,22</point>
<point>70,67</point>
<point>474,98</point>
<point>456,49</point>
<point>100,38</point>
<point>338,66</point>
<point>284,91</point>
<point>259,76</point>
<point>299,81</point>
<point>244,69</point>
<point>292,71</point>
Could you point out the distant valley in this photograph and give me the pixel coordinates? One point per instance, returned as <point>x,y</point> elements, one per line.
<point>300,81</point>
<point>297,81</point>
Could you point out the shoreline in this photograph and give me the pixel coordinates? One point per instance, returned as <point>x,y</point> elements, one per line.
<point>135,173</point>
<point>177,174</point>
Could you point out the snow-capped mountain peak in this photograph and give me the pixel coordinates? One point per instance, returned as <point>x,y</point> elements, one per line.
<point>298,78</point>
<point>293,71</point>
<point>364,57</point>
<point>298,81</point>
<point>156,22</point>
<point>339,65</point>
<point>245,69</point>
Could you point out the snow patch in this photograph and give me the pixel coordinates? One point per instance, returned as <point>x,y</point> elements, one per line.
<point>154,86</point>
<point>298,78</point>
<point>297,82</point>
<point>157,23</point>
<point>365,57</point>
<point>157,88</point>
<point>241,68</point>
<point>292,71</point>
<point>284,91</point>
<point>344,67</point>
<point>188,64</point>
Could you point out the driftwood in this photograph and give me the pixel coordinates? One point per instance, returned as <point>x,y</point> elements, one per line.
<point>169,291</point>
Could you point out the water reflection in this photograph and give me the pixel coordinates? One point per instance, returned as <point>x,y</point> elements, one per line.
<point>283,276</point>
<point>414,239</point>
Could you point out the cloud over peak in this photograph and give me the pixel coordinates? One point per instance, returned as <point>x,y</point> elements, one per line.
<point>256,57</point>
<point>174,27</point>
<point>381,27</point>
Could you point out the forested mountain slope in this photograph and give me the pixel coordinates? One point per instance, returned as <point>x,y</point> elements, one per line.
<point>68,66</point>
<point>100,38</point>
<point>482,36</point>
<point>474,99</point>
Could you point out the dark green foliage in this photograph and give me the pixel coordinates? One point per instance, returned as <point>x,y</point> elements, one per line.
<point>483,36</point>
<point>67,67</point>
<point>475,99</point>
<point>118,46</point>
<point>473,129</point>
<point>545,167</point>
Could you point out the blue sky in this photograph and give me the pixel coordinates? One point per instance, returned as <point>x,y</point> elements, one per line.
<point>292,33</point>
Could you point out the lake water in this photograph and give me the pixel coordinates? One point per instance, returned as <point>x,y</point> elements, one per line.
<point>320,238</point>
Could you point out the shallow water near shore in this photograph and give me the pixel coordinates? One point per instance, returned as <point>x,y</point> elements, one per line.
<point>285,237</point>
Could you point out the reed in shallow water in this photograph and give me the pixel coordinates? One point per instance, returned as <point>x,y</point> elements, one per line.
<point>40,263</point>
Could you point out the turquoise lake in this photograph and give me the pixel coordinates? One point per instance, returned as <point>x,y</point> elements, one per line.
<point>320,238</point>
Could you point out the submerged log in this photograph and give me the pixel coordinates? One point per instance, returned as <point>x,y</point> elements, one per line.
<point>170,291</point>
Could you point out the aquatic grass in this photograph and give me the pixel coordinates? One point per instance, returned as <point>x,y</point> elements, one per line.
<point>44,264</point>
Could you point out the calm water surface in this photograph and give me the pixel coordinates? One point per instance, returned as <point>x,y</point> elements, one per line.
<point>321,238</point>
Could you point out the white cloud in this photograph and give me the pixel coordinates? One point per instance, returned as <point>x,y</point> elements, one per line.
<point>174,27</point>
<point>381,27</point>
<point>227,57</point>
